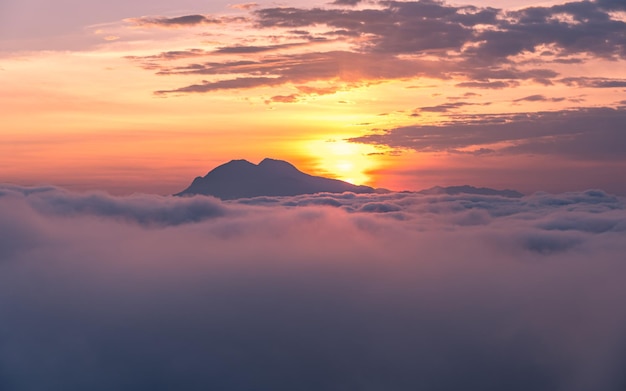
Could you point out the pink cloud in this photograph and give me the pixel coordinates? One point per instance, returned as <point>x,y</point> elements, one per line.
<point>389,291</point>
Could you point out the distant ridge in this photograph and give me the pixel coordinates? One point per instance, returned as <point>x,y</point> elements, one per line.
<point>242,179</point>
<point>454,190</point>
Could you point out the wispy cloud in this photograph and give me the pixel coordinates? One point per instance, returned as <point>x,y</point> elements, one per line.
<point>347,2</point>
<point>593,82</point>
<point>537,98</point>
<point>181,21</point>
<point>447,107</point>
<point>335,66</point>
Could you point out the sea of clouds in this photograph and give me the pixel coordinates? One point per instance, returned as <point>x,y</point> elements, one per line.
<point>397,291</point>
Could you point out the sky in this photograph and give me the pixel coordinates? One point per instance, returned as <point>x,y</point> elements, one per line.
<point>143,96</point>
<point>108,282</point>
<point>397,291</point>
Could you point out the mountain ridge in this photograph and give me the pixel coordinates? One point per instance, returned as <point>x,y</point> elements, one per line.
<point>467,189</point>
<point>240,178</point>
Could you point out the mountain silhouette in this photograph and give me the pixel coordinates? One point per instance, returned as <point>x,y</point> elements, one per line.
<point>454,190</point>
<point>242,179</point>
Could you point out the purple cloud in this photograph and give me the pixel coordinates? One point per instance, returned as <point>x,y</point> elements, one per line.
<point>587,133</point>
<point>180,21</point>
<point>405,289</point>
<point>347,2</point>
<point>593,82</point>
<point>454,37</point>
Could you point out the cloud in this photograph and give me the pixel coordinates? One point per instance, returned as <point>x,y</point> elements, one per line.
<point>478,46</point>
<point>142,209</point>
<point>380,291</point>
<point>245,6</point>
<point>496,85</point>
<point>333,67</point>
<point>414,26</point>
<point>570,28</point>
<point>284,99</point>
<point>167,56</point>
<point>305,91</point>
<point>612,5</point>
<point>246,49</point>
<point>233,84</point>
<point>593,82</point>
<point>347,2</point>
<point>582,134</point>
<point>464,96</point>
<point>176,22</point>
<point>537,98</point>
<point>446,107</point>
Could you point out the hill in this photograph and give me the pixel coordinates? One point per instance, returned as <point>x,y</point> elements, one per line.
<point>242,179</point>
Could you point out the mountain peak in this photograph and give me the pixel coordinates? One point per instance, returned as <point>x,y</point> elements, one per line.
<point>235,164</point>
<point>271,177</point>
<point>279,165</point>
<point>268,160</point>
<point>239,162</point>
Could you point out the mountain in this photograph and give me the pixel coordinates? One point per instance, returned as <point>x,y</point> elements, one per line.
<point>454,190</point>
<point>242,179</point>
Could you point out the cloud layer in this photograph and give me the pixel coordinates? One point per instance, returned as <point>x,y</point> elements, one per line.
<point>392,291</point>
<point>581,134</point>
<point>482,47</point>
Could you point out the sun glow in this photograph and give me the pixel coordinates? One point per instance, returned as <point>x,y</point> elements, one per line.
<point>343,160</point>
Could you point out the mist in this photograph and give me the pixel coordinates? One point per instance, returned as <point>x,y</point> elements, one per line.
<point>396,291</point>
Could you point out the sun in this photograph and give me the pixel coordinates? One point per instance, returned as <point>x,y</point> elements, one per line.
<point>343,160</point>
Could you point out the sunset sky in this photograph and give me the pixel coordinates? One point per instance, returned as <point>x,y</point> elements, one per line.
<point>143,96</point>
<point>258,277</point>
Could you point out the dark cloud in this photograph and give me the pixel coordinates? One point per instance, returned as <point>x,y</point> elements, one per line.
<point>538,98</point>
<point>532,98</point>
<point>446,107</point>
<point>381,291</point>
<point>243,49</point>
<point>347,2</point>
<point>400,27</point>
<point>415,26</point>
<point>593,82</point>
<point>495,85</point>
<point>181,21</point>
<point>589,133</point>
<point>592,30</point>
<point>464,96</point>
<point>568,61</point>
<point>336,66</point>
<point>612,5</point>
<point>232,84</point>
<point>477,44</point>
<point>541,76</point>
<point>291,17</point>
<point>152,62</point>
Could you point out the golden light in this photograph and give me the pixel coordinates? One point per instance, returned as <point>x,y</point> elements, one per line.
<point>343,160</point>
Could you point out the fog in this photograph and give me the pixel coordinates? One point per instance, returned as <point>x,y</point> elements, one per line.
<point>394,291</point>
